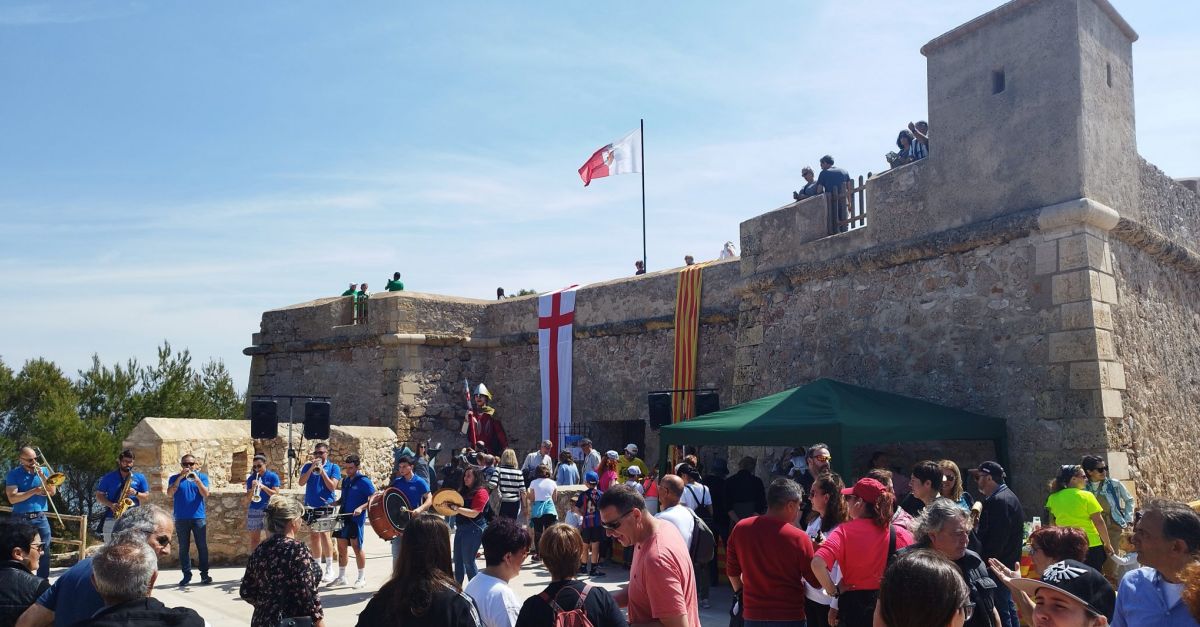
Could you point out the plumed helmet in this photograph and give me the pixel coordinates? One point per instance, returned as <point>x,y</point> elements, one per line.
<point>482,390</point>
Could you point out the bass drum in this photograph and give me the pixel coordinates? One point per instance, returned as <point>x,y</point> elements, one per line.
<point>389,513</point>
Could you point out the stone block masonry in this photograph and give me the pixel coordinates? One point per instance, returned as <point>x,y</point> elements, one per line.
<point>226,450</point>
<point>1053,284</point>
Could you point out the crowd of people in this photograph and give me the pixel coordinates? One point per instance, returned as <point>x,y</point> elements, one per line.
<point>807,549</point>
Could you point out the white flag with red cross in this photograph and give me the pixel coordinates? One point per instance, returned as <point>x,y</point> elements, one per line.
<point>556,325</point>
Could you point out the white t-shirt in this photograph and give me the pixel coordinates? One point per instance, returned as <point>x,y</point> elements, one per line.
<point>701,493</point>
<point>543,489</point>
<point>498,605</point>
<point>681,518</point>
<point>637,487</point>
<point>835,572</point>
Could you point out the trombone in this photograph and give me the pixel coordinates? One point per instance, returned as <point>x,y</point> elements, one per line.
<point>54,480</point>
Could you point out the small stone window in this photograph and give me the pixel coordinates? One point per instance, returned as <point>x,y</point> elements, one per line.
<point>1108,73</point>
<point>239,468</point>
<point>997,81</point>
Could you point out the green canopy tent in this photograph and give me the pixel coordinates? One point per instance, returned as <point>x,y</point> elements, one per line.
<point>844,416</point>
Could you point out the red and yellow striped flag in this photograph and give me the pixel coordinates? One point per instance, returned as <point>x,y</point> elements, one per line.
<point>687,336</point>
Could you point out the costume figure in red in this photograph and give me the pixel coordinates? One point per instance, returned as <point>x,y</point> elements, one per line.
<point>484,428</point>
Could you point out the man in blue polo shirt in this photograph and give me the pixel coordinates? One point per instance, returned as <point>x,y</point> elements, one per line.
<point>267,482</point>
<point>189,488</point>
<point>73,597</point>
<point>415,489</point>
<point>320,478</point>
<point>357,489</point>
<point>108,490</point>
<point>29,498</point>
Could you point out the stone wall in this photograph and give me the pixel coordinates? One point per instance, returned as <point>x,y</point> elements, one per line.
<point>1052,284</point>
<point>225,449</point>
<point>1157,323</point>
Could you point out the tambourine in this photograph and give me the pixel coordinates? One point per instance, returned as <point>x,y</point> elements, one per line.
<point>444,498</point>
<point>389,513</point>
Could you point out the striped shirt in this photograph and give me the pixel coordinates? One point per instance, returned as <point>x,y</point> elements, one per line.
<point>511,485</point>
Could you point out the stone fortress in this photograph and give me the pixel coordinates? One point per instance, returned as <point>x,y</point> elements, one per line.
<point>1033,267</point>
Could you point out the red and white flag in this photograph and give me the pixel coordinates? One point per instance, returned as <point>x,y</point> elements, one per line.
<point>623,156</point>
<point>556,329</point>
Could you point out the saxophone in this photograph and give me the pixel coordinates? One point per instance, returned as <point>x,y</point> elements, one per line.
<point>125,502</point>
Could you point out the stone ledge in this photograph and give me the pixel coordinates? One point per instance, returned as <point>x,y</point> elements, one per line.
<point>1157,246</point>
<point>1078,212</point>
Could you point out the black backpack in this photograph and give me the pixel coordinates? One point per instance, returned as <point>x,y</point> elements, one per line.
<point>704,541</point>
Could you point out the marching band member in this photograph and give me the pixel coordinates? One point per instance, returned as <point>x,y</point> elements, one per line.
<point>189,488</point>
<point>415,489</point>
<point>318,492</point>
<point>357,489</point>
<point>119,485</point>
<point>263,484</point>
<point>29,498</point>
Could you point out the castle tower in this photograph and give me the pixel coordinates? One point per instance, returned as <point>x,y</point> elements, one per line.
<point>1031,105</point>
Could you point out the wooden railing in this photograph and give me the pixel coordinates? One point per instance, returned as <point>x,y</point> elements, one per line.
<point>848,206</point>
<point>82,521</point>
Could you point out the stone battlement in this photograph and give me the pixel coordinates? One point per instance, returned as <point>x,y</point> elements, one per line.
<point>1050,281</point>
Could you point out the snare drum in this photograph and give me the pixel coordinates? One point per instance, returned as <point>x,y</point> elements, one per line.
<point>389,513</point>
<point>323,519</point>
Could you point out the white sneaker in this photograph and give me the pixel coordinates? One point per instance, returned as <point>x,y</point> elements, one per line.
<point>360,583</point>
<point>340,581</point>
<point>328,576</point>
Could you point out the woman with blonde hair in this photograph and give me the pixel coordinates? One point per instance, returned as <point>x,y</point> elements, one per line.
<point>952,485</point>
<point>511,486</point>
<point>282,576</point>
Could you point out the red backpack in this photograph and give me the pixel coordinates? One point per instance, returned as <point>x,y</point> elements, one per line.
<point>569,618</point>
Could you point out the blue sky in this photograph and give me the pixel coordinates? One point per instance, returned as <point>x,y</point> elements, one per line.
<point>172,169</point>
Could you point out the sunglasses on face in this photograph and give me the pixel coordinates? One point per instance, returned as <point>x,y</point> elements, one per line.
<point>615,524</point>
<point>163,540</point>
<point>36,546</point>
<point>189,463</point>
<point>1101,468</point>
<point>822,458</point>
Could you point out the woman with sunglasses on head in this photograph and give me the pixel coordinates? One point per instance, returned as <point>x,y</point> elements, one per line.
<point>861,547</point>
<point>1114,499</point>
<point>830,507</point>
<point>1048,545</point>
<point>1069,505</point>
<point>282,575</point>
<point>923,589</point>
<point>422,590</point>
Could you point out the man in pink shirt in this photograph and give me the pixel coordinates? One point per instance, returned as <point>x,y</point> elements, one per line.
<point>662,589</point>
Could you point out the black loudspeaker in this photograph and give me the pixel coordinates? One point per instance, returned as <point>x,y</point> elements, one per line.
<point>264,420</point>
<point>660,409</point>
<point>707,402</point>
<point>316,420</point>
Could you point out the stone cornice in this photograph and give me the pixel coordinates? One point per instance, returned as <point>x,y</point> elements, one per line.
<point>1078,212</point>
<point>1004,10</point>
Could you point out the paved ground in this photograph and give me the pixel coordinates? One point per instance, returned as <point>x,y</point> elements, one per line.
<point>220,605</point>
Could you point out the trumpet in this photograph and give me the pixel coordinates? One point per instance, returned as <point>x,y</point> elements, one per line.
<point>256,497</point>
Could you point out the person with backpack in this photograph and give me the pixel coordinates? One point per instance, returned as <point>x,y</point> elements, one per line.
<point>768,559</point>
<point>567,602</point>
<point>862,546</point>
<point>587,505</point>
<point>697,535</point>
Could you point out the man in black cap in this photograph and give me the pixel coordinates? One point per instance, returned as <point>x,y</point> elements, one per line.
<point>1001,529</point>
<point>1069,593</point>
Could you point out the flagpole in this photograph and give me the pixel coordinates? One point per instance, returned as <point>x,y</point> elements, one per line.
<point>642,146</point>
